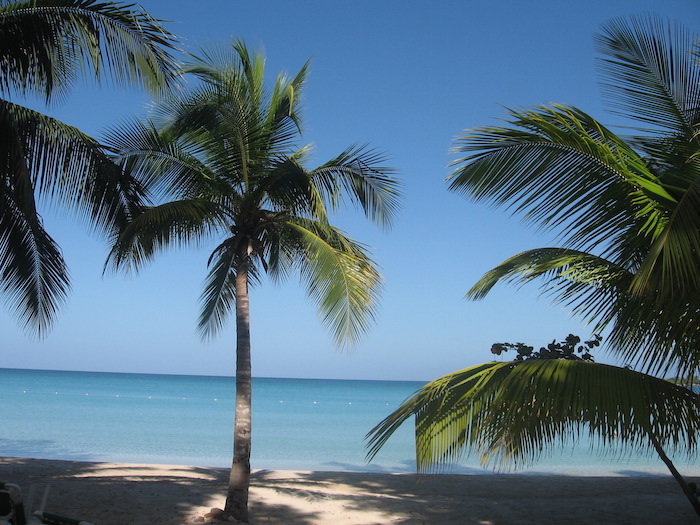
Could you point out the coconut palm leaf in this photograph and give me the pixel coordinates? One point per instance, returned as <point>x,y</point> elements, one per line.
<point>219,295</point>
<point>290,188</point>
<point>594,288</point>
<point>512,413</point>
<point>560,268</point>
<point>672,263</point>
<point>159,160</point>
<point>652,76</point>
<point>563,170</point>
<point>651,72</point>
<point>357,174</point>
<point>46,159</point>
<point>341,278</point>
<point>657,338</point>
<point>660,339</point>
<point>45,45</point>
<point>65,167</point>
<point>157,228</point>
<point>33,272</point>
<point>234,99</point>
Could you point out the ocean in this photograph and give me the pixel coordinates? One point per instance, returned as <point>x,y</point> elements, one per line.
<point>298,424</point>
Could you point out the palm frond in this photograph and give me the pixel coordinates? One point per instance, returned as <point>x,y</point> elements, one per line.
<point>633,203</point>
<point>173,223</point>
<point>66,167</point>
<point>46,45</point>
<point>592,287</point>
<point>261,125</point>
<point>285,100</point>
<point>218,298</point>
<point>340,277</point>
<point>33,274</point>
<point>650,72</point>
<point>672,264</point>
<point>236,127</point>
<point>512,413</point>
<point>45,159</point>
<point>358,174</point>
<point>560,268</point>
<point>289,187</point>
<point>560,168</point>
<point>658,337</point>
<point>159,160</point>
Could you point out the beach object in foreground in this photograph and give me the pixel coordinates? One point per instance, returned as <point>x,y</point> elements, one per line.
<point>12,511</point>
<point>41,516</point>
<point>11,505</point>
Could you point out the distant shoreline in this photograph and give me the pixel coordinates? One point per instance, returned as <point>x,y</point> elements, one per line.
<point>212,376</point>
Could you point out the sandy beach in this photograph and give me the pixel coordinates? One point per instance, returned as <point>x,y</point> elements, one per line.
<point>118,494</point>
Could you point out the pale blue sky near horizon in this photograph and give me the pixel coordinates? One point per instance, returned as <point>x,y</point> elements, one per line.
<point>405,77</point>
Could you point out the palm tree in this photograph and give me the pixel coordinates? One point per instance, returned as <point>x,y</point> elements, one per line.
<point>45,46</point>
<point>627,211</point>
<point>221,162</point>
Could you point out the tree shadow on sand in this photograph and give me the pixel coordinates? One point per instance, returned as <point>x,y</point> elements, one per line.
<point>112,494</point>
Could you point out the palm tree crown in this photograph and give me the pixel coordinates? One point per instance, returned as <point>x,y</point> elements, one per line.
<point>223,156</point>
<point>45,45</point>
<point>627,210</point>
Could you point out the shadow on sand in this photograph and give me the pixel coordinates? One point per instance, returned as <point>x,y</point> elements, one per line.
<point>114,494</point>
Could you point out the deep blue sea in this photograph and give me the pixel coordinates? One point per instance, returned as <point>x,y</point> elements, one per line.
<point>298,424</point>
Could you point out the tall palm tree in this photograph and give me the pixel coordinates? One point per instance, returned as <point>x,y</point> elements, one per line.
<point>627,211</point>
<point>221,162</point>
<point>45,46</point>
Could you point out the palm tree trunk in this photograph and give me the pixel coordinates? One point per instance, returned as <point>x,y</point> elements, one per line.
<point>239,479</point>
<point>677,475</point>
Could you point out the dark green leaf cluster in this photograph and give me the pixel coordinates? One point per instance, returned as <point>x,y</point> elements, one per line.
<point>569,349</point>
<point>45,46</point>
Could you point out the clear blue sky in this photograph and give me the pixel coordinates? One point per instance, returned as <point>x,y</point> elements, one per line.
<point>406,77</point>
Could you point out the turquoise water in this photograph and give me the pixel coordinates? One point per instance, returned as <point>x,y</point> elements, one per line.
<point>298,424</point>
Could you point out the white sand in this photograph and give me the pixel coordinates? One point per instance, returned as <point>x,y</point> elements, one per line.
<point>128,494</point>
